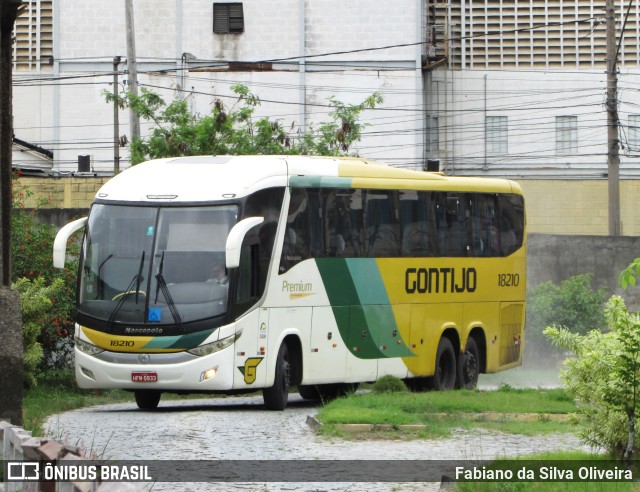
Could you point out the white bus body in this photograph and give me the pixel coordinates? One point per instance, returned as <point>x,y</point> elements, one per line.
<point>331,278</point>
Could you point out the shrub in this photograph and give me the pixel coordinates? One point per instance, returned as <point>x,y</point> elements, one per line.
<point>35,302</point>
<point>31,257</point>
<point>604,377</point>
<point>389,384</point>
<point>572,304</point>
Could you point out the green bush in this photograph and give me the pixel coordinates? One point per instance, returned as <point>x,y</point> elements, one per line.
<point>604,378</point>
<point>389,384</point>
<point>35,303</point>
<point>573,304</point>
<point>31,258</point>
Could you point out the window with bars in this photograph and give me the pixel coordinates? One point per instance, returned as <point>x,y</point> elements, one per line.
<point>634,132</point>
<point>566,134</point>
<point>497,135</point>
<point>433,135</point>
<point>228,18</point>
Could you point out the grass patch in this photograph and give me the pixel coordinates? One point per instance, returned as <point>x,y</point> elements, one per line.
<point>57,392</point>
<point>551,458</point>
<point>442,411</point>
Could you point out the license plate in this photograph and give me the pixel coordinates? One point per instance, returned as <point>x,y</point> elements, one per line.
<point>144,377</point>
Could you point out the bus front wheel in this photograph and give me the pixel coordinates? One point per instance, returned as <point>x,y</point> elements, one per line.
<point>469,366</point>
<point>147,400</point>
<point>275,398</point>
<point>444,377</point>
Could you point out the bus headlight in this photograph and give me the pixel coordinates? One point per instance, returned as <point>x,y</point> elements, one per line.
<point>86,347</point>
<point>211,348</point>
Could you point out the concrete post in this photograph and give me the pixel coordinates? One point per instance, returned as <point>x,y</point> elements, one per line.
<point>11,352</point>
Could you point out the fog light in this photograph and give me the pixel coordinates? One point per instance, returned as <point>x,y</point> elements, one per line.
<point>87,373</point>
<point>208,374</point>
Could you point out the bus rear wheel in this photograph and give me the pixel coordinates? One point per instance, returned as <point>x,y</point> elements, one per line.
<point>469,366</point>
<point>275,398</point>
<point>147,399</point>
<point>444,377</point>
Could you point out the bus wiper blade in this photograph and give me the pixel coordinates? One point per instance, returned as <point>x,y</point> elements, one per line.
<point>135,281</point>
<point>139,278</point>
<point>161,285</point>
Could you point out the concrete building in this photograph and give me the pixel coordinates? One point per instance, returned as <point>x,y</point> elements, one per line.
<point>510,89</point>
<point>518,88</point>
<point>293,54</point>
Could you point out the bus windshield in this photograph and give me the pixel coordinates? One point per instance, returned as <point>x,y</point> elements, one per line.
<point>155,265</point>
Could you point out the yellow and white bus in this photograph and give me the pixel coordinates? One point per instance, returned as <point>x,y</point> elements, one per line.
<point>231,274</point>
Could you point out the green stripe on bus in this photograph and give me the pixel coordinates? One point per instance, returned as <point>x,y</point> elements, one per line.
<point>377,310</point>
<point>188,341</point>
<point>342,293</point>
<point>369,330</point>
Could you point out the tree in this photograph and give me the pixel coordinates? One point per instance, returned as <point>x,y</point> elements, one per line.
<point>9,10</point>
<point>235,130</point>
<point>628,275</point>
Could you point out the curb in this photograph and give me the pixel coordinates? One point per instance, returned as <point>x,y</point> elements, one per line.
<point>315,424</point>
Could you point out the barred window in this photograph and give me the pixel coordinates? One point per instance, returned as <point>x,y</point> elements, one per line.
<point>433,135</point>
<point>497,135</point>
<point>566,134</point>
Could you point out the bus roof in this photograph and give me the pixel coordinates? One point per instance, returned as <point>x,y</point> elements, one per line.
<point>212,178</point>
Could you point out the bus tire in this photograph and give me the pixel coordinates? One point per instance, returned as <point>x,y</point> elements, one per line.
<point>309,392</point>
<point>469,366</point>
<point>444,377</point>
<point>147,399</point>
<point>275,398</point>
<point>418,384</point>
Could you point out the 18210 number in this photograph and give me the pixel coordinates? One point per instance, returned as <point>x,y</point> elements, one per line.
<point>508,279</point>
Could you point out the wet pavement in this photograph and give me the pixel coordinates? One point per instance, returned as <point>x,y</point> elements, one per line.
<point>240,428</point>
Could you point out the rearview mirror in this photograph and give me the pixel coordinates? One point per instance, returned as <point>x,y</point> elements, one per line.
<point>60,243</point>
<point>235,238</point>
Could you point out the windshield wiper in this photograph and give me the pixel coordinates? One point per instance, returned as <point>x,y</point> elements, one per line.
<point>161,285</point>
<point>139,278</point>
<point>135,281</point>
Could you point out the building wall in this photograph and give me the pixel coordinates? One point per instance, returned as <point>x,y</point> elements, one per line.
<point>578,206</point>
<point>75,193</point>
<point>531,101</point>
<point>573,207</point>
<point>72,118</point>
<point>544,34</point>
<point>558,257</point>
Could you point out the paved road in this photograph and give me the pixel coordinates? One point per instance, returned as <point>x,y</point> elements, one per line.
<point>239,428</point>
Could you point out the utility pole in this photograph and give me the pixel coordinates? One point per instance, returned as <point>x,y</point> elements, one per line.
<point>116,122</point>
<point>613,143</point>
<point>9,11</point>
<point>134,118</point>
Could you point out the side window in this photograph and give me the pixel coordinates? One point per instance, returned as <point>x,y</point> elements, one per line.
<point>382,228</point>
<point>511,228</point>
<point>303,229</point>
<point>343,223</point>
<point>417,224</point>
<point>453,223</point>
<point>264,203</point>
<point>485,236</point>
